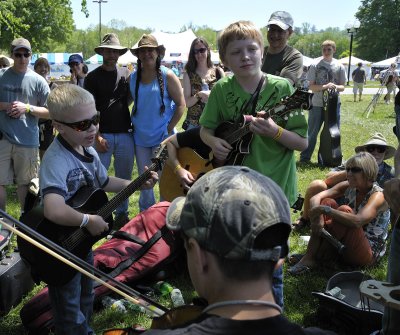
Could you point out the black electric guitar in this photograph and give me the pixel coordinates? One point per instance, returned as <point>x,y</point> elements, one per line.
<point>74,239</point>
<point>330,152</point>
<point>238,134</point>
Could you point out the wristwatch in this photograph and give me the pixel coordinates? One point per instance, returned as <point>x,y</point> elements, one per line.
<point>327,210</point>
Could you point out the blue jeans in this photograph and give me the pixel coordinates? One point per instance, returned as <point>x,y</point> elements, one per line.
<point>143,158</point>
<point>72,304</point>
<point>391,316</point>
<point>121,145</point>
<point>315,121</point>
<point>277,286</point>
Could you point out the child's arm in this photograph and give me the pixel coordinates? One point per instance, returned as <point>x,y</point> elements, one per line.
<point>220,147</point>
<point>268,128</point>
<point>57,211</point>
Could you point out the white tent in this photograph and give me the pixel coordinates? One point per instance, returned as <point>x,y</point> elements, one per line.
<point>307,61</point>
<point>95,59</point>
<point>385,63</point>
<point>127,58</point>
<point>177,45</point>
<point>354,63</point>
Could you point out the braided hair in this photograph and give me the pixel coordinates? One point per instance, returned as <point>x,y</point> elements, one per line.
<point>160,83</point>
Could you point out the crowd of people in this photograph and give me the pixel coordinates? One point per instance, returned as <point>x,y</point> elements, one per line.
<point>235,220</point>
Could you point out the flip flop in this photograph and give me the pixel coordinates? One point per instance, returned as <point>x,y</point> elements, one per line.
<point>293,259</point>
<point>300,224</point>
<point>299,269</point>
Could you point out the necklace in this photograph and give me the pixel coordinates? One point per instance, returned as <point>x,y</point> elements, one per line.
<point>242,302</point>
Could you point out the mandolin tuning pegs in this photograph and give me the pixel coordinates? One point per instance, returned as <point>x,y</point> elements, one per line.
<point>286,118</point>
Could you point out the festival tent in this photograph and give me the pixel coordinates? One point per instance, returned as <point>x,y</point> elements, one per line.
<point>95,59</point>
<point>307,61</point>
<point>385,63</point>
<point>127,58</point>
<point>354,64</point>
<point>54,57</point>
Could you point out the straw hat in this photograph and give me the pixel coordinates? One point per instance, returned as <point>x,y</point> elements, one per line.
<point>378,139</point>
<point>149,41</point>
<point>110,41</point>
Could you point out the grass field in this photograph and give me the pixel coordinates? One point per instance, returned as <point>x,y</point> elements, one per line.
<point>300,306</point>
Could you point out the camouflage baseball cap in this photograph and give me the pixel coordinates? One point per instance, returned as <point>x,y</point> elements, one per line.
<point>228,208</point>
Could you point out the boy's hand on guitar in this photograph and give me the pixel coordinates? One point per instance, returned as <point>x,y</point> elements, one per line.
<point>186,178</point>
<point>96,225</point>
<point>220,148</point>
<point>263,126</point>
<point>149,183</point>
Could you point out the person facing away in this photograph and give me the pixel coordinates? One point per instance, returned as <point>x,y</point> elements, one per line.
<point>274,141</point>
<point>70,163</point>
<point>235,224</point>
<point>198,80</point>
<point>280,59</point>
<point>326,73</point>
<point>23,96</point>
<point>359,80</point>
<point>109,85</point>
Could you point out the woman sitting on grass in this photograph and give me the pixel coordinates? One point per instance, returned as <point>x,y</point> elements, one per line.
<point>361,224</point>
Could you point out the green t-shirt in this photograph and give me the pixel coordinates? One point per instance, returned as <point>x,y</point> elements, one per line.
<point>266,156</point>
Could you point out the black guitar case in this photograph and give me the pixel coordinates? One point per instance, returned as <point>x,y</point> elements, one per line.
<point>330,152</point>
<point>341,308</point>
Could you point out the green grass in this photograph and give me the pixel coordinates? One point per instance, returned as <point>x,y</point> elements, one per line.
<point>300,306</point>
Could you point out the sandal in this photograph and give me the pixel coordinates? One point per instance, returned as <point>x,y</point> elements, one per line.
<point>300,224</point>
<point>293,259</point>
<point>299,269</point>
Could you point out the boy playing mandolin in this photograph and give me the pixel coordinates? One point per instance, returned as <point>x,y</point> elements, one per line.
<point>275,139</point>
<point>69,164</point>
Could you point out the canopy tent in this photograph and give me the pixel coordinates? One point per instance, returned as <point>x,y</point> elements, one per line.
<point>386,62</point>
<point>95,59</point>
<point>354,61</point>
<point>307,61</point>
<point>127,58</point>
<point>54,57</point>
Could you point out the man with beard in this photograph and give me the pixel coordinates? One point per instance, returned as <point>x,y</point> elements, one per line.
<point>109,86</point>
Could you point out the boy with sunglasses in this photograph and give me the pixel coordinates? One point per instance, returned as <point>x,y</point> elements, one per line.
<point>23,95</point>
<point>69,164</point>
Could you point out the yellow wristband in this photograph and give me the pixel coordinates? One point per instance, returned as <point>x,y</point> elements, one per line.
<point>28,108</point>
<point>278,134</point>
<point>178,167</point>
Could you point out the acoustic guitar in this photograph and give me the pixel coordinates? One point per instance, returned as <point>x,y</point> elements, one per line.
<point>330,152</point>
<point>74,239</point>
<point>238,134</point>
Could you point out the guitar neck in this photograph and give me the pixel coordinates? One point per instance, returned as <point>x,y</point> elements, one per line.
<point>107,210</point>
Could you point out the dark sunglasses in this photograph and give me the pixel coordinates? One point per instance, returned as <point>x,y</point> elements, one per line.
<point>84,124</point>
<point>372,148</point>
<point>199,51</point>
<point>354,169</point>
<point>19,55</point>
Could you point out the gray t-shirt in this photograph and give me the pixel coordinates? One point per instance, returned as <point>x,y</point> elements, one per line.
<point>28,87</point>
<point>321,72</point>
<point>64,171</point>
<point>359,75</point>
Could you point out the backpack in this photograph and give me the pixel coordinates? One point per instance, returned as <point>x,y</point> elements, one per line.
<point>141,248</point>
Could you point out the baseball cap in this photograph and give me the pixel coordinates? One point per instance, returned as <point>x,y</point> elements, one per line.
<point>282,19</point>
<point>228,208</point>
<point>20,43</point>
<point>75,58</point>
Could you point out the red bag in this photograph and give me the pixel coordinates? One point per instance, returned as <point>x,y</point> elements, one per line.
<point>141,248</point>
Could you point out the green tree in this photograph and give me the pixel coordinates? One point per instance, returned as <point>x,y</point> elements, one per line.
<point>378,37</point>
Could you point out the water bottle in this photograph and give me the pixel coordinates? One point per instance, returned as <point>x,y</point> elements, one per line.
<point>130,306</point>
<point>177,298</point>
<point>163,288</point>
<point>117,305</point>
<point>204,86</point>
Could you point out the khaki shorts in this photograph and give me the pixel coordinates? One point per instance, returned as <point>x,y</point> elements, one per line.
<point>358,86</point>
<point>18,164</point>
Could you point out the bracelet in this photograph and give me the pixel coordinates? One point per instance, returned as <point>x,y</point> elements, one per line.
<point>177,167</point>
<point>85,221</point>
<point>278,134</point>
<point>28,108</point>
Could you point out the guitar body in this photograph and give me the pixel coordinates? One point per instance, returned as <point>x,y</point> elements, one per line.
<point>76,240</point>
<point>241,147</point>
<point>330,152</point>
<point>170,186</point>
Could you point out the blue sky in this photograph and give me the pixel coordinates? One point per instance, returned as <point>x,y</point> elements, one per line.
<point>170,16</point>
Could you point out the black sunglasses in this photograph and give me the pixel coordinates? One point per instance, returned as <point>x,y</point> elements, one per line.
<point>19,55</point>
<point>371,148</point>
<point>84,124</point>
<point>199,51</point>
<point>354,169</point>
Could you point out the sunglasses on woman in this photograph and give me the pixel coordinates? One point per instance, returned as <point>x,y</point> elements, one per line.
<point>372,148</point>
<point>20,55</point>
<point>84,124</point>
<point>199,51</point>
<point>354,169</point>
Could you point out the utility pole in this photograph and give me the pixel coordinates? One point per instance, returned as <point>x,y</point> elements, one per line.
<point>100,2</point>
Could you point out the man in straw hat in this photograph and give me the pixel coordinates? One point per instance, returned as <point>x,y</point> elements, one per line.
<point>235,223</point>
<point>110,87</point>
<point>377,146</point>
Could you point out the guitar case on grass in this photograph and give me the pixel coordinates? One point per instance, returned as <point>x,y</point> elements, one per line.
<point>341,308</point>
<point>140,249</point>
